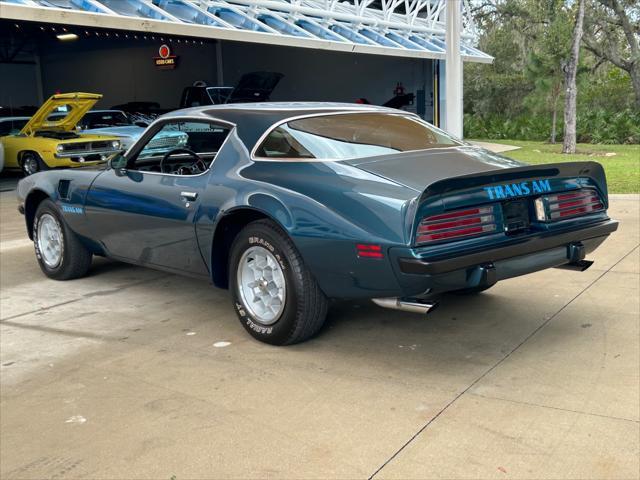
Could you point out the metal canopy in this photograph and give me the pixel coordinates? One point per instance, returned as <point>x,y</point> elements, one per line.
<point>405,28</point>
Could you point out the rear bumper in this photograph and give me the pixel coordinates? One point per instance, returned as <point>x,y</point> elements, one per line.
<point>418,275</point>
<point>528,246</point>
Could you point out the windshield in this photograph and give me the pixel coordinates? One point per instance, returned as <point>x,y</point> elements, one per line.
<point>104,119</point>
<point>219,94</point>
<point>351,135</point>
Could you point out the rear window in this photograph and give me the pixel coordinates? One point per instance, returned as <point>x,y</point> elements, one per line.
<point>351,135</point>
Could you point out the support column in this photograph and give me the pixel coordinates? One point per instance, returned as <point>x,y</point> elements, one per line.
<point>38,75</point>
<point>453,77</point>
<point>219,67</point>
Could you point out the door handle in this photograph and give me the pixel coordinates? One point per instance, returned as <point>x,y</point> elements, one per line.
<point>189,196</point>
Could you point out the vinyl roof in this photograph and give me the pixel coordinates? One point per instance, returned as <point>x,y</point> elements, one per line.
<point>405,28</point>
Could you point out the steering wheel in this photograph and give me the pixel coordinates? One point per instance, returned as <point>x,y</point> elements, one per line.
<point>198,164</point>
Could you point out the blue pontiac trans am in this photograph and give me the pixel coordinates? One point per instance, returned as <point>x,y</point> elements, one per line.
<point>289,205</point>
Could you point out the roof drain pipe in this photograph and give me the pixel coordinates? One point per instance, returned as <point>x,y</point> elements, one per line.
<point>408,305</point>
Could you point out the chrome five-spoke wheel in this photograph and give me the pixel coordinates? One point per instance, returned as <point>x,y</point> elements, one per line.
<point>30,164</point>
<point>60,253</point>
<point>275,297</point>
<point>50,241</point>
<point>261,284</point>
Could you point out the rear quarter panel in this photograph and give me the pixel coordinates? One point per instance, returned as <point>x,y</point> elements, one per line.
<point>325,207</point>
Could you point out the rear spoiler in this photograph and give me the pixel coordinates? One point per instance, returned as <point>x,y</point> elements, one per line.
<point>592,170</point>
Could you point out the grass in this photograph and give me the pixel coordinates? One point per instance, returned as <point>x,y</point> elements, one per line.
<point>621,162</point>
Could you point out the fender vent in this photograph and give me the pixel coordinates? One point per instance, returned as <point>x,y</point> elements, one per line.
<point>63,189</point>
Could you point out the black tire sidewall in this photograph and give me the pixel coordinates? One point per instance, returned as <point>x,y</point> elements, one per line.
<point>38,162</point>
<point>47,206</point>
<point>279,332</point>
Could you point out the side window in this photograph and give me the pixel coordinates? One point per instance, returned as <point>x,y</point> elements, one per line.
<point>17,126</point>
<point>12,127</point>
<point>351,135</point>
<point>282,144</point>
<point>179,144</point>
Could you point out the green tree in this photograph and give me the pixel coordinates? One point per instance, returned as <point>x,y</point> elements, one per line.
<point>570,74</point>
<point>545,62</point>
<point>516,96</point>
<point>612,33</point>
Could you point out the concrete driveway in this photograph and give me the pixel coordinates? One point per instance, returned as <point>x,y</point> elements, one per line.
<point>133,373</point>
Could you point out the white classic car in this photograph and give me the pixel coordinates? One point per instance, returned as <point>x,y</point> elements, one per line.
<point>118,124</point>
<point>10,126</point>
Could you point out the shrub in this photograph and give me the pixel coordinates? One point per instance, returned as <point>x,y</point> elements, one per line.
<point>594,126</point>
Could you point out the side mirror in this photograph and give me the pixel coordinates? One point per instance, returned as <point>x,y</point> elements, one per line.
<point>118,163</point>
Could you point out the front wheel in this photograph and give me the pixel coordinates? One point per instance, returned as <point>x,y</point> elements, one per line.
<point>31,163</point>
<point>60,253</point>
<point>275,296</point>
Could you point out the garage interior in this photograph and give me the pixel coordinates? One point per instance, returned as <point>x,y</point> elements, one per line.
<point>366,51</point>
<point>121,67</point>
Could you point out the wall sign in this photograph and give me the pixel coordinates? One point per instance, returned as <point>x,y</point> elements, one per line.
<point>165,61</point>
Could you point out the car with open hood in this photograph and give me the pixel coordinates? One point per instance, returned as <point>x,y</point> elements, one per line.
<point>289,205</point>
<point>50,138</point>
<point>252,87</point>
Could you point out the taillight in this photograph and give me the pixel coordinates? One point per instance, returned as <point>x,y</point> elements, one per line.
<point>566,205</point>
<point>457,224</point>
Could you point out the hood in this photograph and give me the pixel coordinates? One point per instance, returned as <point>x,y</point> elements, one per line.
<point>78,104</point>
<point>416,170</point>
<point>255,87</point>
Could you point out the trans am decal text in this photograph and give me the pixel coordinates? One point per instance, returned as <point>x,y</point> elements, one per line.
<point>518,189</point>
<point>71,209</point>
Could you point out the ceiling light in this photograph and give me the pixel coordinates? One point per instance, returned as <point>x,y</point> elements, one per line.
<point>66,37</point>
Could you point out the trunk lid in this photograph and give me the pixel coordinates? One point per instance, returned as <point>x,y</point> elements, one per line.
<point>466,181</point>
<point>416,170</point>
<point>512,195</point>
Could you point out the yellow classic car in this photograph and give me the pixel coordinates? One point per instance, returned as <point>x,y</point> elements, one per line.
<point>50,138</point>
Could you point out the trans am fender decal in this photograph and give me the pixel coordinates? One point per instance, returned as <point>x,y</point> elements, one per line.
<point>72,209</point>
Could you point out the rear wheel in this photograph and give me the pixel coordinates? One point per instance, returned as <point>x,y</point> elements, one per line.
<point>60,253</point>
<point>276,298</point>
<point>31,163</point>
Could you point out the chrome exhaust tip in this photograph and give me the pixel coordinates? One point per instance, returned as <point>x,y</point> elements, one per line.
<point>407,305</point>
